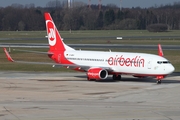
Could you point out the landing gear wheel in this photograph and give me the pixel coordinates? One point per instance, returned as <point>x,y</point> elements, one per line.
<point>119,77</point>
<point>116,77</point>
<point>158,81</point>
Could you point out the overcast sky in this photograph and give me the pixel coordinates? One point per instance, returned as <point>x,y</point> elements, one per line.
<point>125,3</point>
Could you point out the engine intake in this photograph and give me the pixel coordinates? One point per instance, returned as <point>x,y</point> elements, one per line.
<point>97,74</point>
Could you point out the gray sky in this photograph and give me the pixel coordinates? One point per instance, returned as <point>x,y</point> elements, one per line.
<point>125,3</point>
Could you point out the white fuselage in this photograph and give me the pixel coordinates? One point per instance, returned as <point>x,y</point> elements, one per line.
<point>122,62</point>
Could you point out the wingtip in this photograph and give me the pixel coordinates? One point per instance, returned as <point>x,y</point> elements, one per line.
<point>8,55</point>
<point>160,51</point>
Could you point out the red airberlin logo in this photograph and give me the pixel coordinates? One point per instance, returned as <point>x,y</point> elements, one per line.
<point>51,32</point>
<point>93,74</point>
<point>136,61</point>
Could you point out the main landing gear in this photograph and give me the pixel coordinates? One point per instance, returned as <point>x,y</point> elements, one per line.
<point>116,77</point>
<point>158,81</point>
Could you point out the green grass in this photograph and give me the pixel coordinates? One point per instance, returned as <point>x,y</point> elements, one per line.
<point>83,37</point>
<point>87,33</point>
<point>99,41</point>
<point>95,37</point>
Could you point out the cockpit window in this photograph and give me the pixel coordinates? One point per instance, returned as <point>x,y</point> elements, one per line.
<point>166,62</point>
<point>163,62</point>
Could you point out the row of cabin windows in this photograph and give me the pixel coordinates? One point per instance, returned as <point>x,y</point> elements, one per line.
<point>88,59</point>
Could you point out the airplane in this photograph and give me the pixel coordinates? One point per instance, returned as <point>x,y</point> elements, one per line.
<point>99,64</point>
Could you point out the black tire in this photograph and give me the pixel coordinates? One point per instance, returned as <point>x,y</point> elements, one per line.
<point>116,77</point>
<point>158,82</point>
<point>119,77</point>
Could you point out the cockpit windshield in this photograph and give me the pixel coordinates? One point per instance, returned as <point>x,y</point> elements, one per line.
<point>163,62</point>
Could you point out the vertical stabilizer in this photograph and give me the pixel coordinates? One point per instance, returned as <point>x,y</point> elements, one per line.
<point>54,38</point>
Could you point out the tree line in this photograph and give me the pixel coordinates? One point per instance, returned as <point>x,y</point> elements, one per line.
<point>82,17</point>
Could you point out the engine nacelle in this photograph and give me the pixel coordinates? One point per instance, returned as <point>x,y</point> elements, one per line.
<point>97,74</point>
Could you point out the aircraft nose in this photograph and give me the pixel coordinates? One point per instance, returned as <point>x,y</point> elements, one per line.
<point>171,69</point>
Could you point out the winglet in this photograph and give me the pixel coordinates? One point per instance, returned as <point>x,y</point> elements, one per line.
<point>8,55</point>
<point>160,51</point>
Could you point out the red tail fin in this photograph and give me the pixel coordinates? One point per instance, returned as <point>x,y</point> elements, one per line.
<point>160,51</point>
<point>54,38</point>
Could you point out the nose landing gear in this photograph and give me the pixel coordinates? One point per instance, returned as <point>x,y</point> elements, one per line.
<point>159,78</point>
<point>158,82</point>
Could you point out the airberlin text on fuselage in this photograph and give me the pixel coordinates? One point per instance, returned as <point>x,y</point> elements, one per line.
<point>136,61</point>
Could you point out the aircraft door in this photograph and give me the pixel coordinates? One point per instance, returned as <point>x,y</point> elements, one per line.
<point>150,64</point>
<point>164,67</point>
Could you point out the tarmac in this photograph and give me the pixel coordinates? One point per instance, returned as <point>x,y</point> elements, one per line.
<point>69,96</point>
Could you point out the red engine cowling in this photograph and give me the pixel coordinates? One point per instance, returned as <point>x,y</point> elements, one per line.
<point>97,74</point>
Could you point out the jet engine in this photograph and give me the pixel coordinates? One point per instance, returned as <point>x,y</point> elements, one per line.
<point>97,74</point>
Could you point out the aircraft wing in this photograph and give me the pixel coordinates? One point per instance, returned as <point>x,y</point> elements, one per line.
<point>82,67</point>
<point>48,53</point>
<point>12,60</point>
<point>73,66</point>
